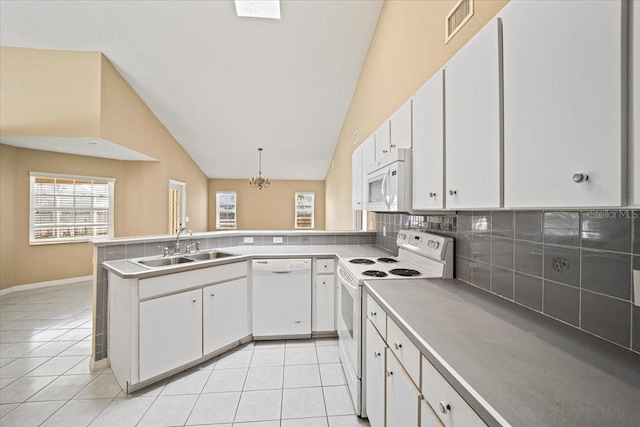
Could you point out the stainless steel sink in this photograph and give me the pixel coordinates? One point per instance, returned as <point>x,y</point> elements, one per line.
<point>202,256</point>
<point>163,262</point>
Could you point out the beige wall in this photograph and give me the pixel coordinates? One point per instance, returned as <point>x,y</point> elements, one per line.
<point>268,209</point>
<point>81,94</point>
<point>406,50</point>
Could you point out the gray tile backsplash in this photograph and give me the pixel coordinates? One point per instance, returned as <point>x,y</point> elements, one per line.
<point>575,266</point>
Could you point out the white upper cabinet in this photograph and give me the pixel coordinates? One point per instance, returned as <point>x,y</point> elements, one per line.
<point>356,178</point>
<point>382,138</point>
<point>563,103</point>
<point>428,145</point>
<point>634,184</point>
<point>473,123</point>
<point>400,127</point>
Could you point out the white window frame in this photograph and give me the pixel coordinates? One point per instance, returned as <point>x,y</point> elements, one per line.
<point>300,210</point>
<point>181,188</point>
<point>32,208</point>
<point>229,226</point>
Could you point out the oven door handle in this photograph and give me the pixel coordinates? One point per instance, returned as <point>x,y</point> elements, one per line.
<point>346,282</point>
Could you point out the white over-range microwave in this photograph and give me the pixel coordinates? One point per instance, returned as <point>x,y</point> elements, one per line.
<point>389,182</point>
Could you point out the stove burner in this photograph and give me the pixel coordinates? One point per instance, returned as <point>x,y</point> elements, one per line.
<point>362,261</point>
<point>374,273</point>
<point>387,260</point>
<point>405,272</point>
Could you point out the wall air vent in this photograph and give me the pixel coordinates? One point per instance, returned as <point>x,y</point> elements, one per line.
<point>459,15</point>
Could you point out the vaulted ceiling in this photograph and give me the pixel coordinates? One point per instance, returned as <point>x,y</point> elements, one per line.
<point>222,85</point>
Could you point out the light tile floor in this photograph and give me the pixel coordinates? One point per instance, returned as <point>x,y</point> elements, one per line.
<point>45,343</point>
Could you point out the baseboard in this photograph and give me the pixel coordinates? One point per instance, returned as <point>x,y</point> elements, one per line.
<point>95,365</point>
<point>39,285</point>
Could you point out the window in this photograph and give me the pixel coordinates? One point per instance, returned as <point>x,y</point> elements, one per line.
<point>304,210</point>
<point>68,208</point>
<point>226,210</point>
<point>177,206</point>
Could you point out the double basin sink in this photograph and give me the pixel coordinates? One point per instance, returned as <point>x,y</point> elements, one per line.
<point>167,261</point>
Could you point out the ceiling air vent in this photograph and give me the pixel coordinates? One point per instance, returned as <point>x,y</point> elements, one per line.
<point>459,15</point>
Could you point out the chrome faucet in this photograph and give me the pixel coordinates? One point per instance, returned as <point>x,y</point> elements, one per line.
<point>180,230</point>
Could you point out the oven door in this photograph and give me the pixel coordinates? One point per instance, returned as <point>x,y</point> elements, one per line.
<point>377,190</point>
<point>349,336</point>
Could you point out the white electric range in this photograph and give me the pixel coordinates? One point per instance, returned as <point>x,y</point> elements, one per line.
<point>420,255</point>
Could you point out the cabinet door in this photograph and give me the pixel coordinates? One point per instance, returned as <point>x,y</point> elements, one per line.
<point>428,145</point>
<point>325,303</point>
<point>368,158</point>
<point>427,417</point>
<point>382,140</point>
<point>473,128</point>
<point>375,376</point>
<point>225,314</point>
<point>634,184</point>
<point>400,126</point>
<point>170,332</point>
<point>356,179</point>
<point>563,103</point>
<point>403,398</point>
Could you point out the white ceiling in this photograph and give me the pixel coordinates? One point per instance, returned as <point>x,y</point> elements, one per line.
<point>222,85</point>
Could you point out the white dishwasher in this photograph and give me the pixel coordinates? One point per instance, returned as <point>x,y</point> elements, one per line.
<point>281,298</point>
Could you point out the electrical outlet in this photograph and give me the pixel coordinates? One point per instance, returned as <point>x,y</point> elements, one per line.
<point>277,240</point>
<point>248,239</point>
<point>186,219</point>
<point>636,287</point>
<point>384,230</point>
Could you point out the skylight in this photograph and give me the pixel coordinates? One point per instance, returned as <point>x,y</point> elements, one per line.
<point>269,9</point>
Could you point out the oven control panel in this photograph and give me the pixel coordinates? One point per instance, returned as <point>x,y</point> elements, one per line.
<point>426,244</point>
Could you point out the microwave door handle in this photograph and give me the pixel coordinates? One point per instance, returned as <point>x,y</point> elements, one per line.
<point>384,188</point>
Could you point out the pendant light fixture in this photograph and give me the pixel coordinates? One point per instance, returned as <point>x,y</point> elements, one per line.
<point>259,181</point>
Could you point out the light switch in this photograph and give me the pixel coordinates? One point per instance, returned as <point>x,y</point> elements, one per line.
<point>248,239</point>
<point>384,230</point>
<point>636,287</point>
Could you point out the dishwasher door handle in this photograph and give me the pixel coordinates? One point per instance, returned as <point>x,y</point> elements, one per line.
<point>281,272</point>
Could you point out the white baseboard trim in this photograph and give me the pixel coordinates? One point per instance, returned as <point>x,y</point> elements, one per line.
<point>38,285</point>
<point>95,365</point>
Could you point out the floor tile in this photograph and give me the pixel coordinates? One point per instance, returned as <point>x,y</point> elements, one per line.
<point>62,388</point>
<point>300,356</point>
<point>6,381</point>
<point>50,349</point>
<point>19,349</point>
<point>328,354</point>
<point>260,345</point>
<point>152,390</point>
<point>347,421</point>
<point>103,387</point>
<point>169,411</point>
<point>301,376</point>
<point>6,408</point>
<point>23,388</point>
<point>6,361</point>
<point>332,374</point>
<point>30,414</point>
<point>15,336</point>
<point>56,366</point>
<point>214,408</point>
<point>268,357</point>
<point>208,365</point>
<point>77,413</point>
<point>300,343</point>
<point>83,367</point>
<point>222,380</point>
<point>237,359</point>
<point>303,402</point>
<point>321,342</point>
<point>189,382</point>
<point>74,335</point>
<point>264,378</point>
<point>82,348</point>
<point>125,412</point>
<point>305,422</point>
<point>257,424</point>
<point>71,324</point>
<point>263,405</point>
<point>338,400</point>
<point>21,366</point>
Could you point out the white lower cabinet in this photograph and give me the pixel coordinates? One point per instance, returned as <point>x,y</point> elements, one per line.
<point>403,398</point>
<point>324,303</point>
<point>225,314</point>
<point>375,376</point>
<point>170,332</point>
<point>427,417</point>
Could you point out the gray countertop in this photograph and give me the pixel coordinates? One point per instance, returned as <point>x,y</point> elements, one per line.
<point>533,370</point>
<point>129,270</point>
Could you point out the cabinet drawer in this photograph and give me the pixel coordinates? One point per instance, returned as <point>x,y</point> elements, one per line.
<point>175,282</point>
<point>377,316</point>
<point>452,410</point>
<point>405,350</point>
<point>325,266</point>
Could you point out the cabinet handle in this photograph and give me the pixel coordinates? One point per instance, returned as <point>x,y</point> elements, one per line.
<point>376,354</point>
<point>397,346</point>
<point>432,194</point>
<point>195,300</point>
<point>452,192</point>
<point>579,177</point>
<point>444,407</point>
<point>393,146</point>
<point>373,313</point>
<point>389,373</point>
<point>384,151</point>
<point>212,294</point>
